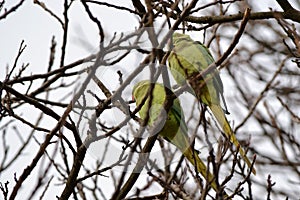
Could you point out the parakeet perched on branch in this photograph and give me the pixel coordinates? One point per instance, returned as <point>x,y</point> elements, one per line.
<point>174,129</point>
<point>186,60</point>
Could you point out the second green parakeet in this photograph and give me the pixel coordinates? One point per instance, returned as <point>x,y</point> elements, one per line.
<point>175,129</point>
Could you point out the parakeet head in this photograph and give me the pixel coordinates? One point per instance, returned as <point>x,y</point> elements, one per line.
<point>140,90</point>
<point>179,37</point>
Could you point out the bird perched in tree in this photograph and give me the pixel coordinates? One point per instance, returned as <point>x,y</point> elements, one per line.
<point>174,129</point>
<point>186,61</point>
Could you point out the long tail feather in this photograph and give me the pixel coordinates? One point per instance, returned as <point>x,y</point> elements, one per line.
<point>180,140</point>
<point>222,120</point>
<point>201,167</point>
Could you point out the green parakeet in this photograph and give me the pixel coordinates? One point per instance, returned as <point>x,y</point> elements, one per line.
<point>175,129</point>
<point>186,60</point>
